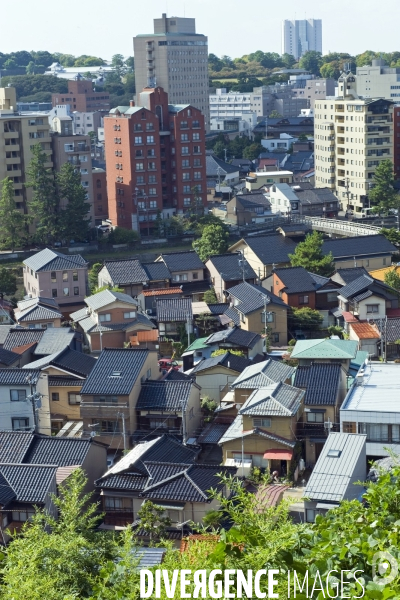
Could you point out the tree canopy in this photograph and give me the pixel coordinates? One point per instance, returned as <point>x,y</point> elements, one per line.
<point>214,240</point>
<point>308,254</point>
<point>383,195</point>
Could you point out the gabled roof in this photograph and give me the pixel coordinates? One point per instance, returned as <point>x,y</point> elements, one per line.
<point>14,445</point>
<point>215,167</point>
<point>106,297</point>
<point>325,348</point>
<point>69,360</point>
<point>356,286</point>
<point>54,339</point>
<point>251,297</point>
<point>26,483</point>
<point>20,336</point>
<point>162,292</point>
<point>50,260</point>
<point>256,199</point>
<point>270,249</point>
<point>279,399</point>
<point>174,375</point>
<point>235,431</point>
<point>157,271</point>
<point>263,374</point>
<point>19,376</point>
<point>38,313</point>
<point>234,336</point>
<point>181,261</point>
<point>321,382</point>
<point>218,308</point>
<point>345,276</point>
<point>365,331</point>
<point>116,371</point>
<point>227,360</point>
<point>228,267</point>
<point>125,272</point>
<point>296,280</point>
<point>174,309</point>
<point>332,475</point>
<point>165,395</point>
<point>363,245</point>
<point>7,357</point>
<point>4,329</point>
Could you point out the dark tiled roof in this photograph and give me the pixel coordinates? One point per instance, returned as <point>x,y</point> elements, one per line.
<point>228,360</point>
<point>263,374</point>
<point>296,280</point>
<point>232,315</point>
<point>14,445</point>
<point>38,313</point>
<point>235,336</point>
<point>356,286</point>
<point>300,161</point>
<point>165,395</point>
<point>272,248</point>
<point>364,245</point>
<point>212,433</point>
<point>315,196</point>
<point>60,381</point>
<point>217,308</point>
<point>174,309</point>
<point>216,166</point>
<point>19,336</point>
<point>63,452</point>
<point>363,296</point>
<point>4,329</point>
<point>251,297</point>
<point>279,399</point>
<point>126,361</point>
<point>29,483</point>
<point>182,261</point>
<point>321,382</point>
<point>124,272</point>
<point>228,267</point>
<point>50,260</point>
<point>174,375</point>
<point>249,201</point>
<point>54,340</point>
<point>349,275</point>
<point>7,357</point>
<point>75,362</point>
<point>19,376</point>
<point>156,271</point>
<point>195,287</point>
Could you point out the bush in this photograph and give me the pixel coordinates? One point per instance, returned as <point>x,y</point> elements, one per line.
<point>119,235</point>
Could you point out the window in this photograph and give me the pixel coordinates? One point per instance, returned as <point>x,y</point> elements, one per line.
<point>262,422</point>
<point>191,413</point>
<point>372,308</point>
<point>17,395</point>
<point>197,162</point>
<point>186,176</point>
<point>195,276</point>
<point>349,427</point>
<point>149,127</point>
<point>105,317</point>
<point>185,149</point>
<point>54,293</point>
<point>184,137</point>
<point>74,398</point>
<point>152,179</point>
<point>130,315</point>
<point>180,277</point>
<point>384,261</point>
<point>331,297</point>
<point>19,424</point>
<point>153,204</point>
<point>74,275</point>
<point>140,167</point>
<point>196,137</point>
<point>151,166</point>
<point>375,432</point>
<point>270,317</point>
<point>66,291</point>
<point>185,163</point>
<point>148,373</point>
<point>65,276</point>
<point>197,150</point>
<point>139,179</point>
<point>55,396</point>
<point>138,139</point>
<point>109,426</point>
<point>112,503</point>
<point>139,153</point>
<point>76,291</point>
<point>150,139</point>
<point>22,515</point>
<point>186,201</point>
<point>138,127</point>
<point>275,338</point>
<point>197,175</point>
<point>186,189</point>
<point>152,191</point>
<point>315,417</point>
<point>53,277</point>
<point>303,299</point>
<point>310,515</point>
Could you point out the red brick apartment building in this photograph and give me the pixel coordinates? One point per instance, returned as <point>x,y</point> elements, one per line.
<point>82,97</point>
<point>155,157</point>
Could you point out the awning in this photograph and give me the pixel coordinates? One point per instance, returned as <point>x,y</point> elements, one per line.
<point>279,454</point>
<point>326,506</point>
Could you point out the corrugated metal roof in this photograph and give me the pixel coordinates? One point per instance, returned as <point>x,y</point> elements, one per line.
<point>325,348</point>
<point>379,392</point>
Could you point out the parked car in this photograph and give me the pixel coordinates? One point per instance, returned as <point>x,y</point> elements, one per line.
<point>166,363</point>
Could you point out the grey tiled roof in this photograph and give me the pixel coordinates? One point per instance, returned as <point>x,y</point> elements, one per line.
<point>174,375</point>
<point>182,261</point>
<point>50,260</point>
<point>94,328</point>
<point>7,357</point>
<point>75,362</point>
<point>251,297</point>
<point>218,308</point>
<point>174,309</point>
<point>228,360</point>
<point>14,445</point>
<point>235,336</point>
<point>363,296</point>
<point>19,376</point>
<point>106,297</point>
<point>271,248</point>
<point>279,400</point>
<point>249,201</point>
<point>216,166</point>
<point>54,339</point>
<point>364,245</point>
<point>157,271</point>
<point>349,275</point>
<point>126,361</point>
<point>321,382</point>
<point>63,452</point>
<point>165,395</point>
<point>125,272</point>
<point>212,433</point>
<point>38,313</point>
<point>235,431</point>
<point>60,381</point>
<point>356,286</point>
<point>29,483</point>
<point>19,336</point>
<point>228,267</point>
<point>296,280</point>
<point>232,314</point>
<point>4,329</point>
<point>262,374</point>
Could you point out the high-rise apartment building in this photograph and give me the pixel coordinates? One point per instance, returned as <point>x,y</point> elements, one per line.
<point>352,136</point>
<point>175,58</point>
<point>300,36</point>
<point>155,156</point>
<point>18,134</point>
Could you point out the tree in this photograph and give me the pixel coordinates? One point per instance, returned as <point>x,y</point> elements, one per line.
<point>119,235</point>
<point>152,520</point>
<point>8,282</point>
<point>253,151</point>
<point>392,278</point>
<point>305,318</point>
<point>208,406</point>
<point>210,297</point>
<point>275,115</point>
<point>308,254</point>
<point>117,61</point>
<point>288,60</point>
<point>302,138</point>
<point>221,351</point>
<point>311,61</point>
<point>393,235</point>
<point>75,222</point>
<point>93,276</point>
<point>383,195</point>
<point>214,240</point>
<point>44,205</point>
<point>12,221</point>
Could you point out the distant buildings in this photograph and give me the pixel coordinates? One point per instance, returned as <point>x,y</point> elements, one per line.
<point>301,36</point>
<point>82,97</point>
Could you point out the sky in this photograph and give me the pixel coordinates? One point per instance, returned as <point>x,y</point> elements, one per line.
<point>233,27</point>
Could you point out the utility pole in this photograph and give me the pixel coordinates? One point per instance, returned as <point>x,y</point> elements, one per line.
<point>123,428</point>
<point>188,329</point>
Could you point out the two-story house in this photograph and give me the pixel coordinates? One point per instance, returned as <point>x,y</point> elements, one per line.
<point>147,299</point>
<point>187,271</point>
<point>110,393</point>
<point>228,270</point>
<point>133,276</point>
<point>109,320</point>
<point>245,209</point>
<point>173,314</point>
<point>24,400</point>
<point>368,251</point>
<point>325,351</point>
<point>51,274</point>
<point>265,252</point>
<point>253,308</point>
<point>38,313</point>
<point>212,375</point>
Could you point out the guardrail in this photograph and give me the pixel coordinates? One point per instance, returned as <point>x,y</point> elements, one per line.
<point>337,226</point>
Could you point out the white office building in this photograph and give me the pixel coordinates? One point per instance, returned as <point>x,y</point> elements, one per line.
<point>301,36</point>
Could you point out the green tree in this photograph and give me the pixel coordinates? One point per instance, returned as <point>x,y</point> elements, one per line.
<point>275,115</point>
<point>153,520</point>
<point>214,240</point>
<point>393,235</point>
<point>288,60</point>
<point>8,282</point>
<point>331,69</point>
<point>308,254</point>
<point>12,221</point>
<point>43,208</point>
<point>392,278</point>
<point>117,61</point>
<point>253,151</point>
<point>383,195</point>
<point>311,61</point>
<point>75,222</point>
<point>210,297</point>
<point>93,278</point>
<point>221,351</point>
<point>302,138</point>
<point>119,235</point>
<point>30,68</point>
<point>305,318</point>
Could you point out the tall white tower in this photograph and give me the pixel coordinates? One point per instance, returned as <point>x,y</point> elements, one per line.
<point>298,37</point>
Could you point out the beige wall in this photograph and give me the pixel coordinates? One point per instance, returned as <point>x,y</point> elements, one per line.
<point>256,264</point>
<point>254,447</point>
<point>212,380</point>
<point>253,322</point>
<point>29,324</point>
<point>369,264</point>
<point>40,284</point>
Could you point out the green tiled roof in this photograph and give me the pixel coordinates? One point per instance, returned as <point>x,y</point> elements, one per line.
<point>198,344</point>
<point>322,348</point>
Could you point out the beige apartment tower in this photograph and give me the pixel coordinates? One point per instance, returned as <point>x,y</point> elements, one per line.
<point>18,135</point>
<point>174,57</point>
<point>352,136</point>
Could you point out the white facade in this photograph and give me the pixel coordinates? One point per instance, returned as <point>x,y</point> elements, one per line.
<point>301,36</point>
<point>284,142</point>
<point>16,412</point>
<point>98,73</point>
<point>378,81</point>
<point>243,126</point>
<point>84,122</point>
<point>224,104</point>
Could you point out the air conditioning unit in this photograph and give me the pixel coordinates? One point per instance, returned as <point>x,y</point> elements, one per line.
<point>149,311</point>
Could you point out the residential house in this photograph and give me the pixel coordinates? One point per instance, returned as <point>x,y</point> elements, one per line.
<point>380,273</point>
<point>265,426</point>
<point>245,165</point>
<point>38,313</point>
<point>24,400</point>
<point>281,144</point>
<point>9,359</point>
<point>170,406</point>
<point>369,251</point>
<point>340,467</point>
<point>300,161</point>
<point>259,179</point>
<point>325,351</point>
<point>133,276</point>
<point>248,342</point>
<point>344,276</point>
<point>303,199</point>
<point>218,171</point>
<point>66,373</point>
<point>110,319</point>
<point>366,335</point>
<point>164,471</point>
<point>263,374</point>
<point>325,386</point>
<point>172,315</point>
<point>254,308</point>
<point>227,270</point>
<point>366,298</point>
<point>50,274</point>
<point>212,375</point>
<point>147,299</point>
<point>188,271</point>
<point>245,209</point>
<point>371,407</point>
<point>23,342</point>
<point>111,390</point>
<point>265,252</point>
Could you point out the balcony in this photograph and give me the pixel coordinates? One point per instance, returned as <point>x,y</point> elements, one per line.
<point>120,518</point>
<point>11,135</point>
<point>341,151</point>
<point>339,119</point>
<point>340,140</point>
<point>341,162</point>
<point>318,430</point>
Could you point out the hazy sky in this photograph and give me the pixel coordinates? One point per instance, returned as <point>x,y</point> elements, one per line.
<point>234,27</point>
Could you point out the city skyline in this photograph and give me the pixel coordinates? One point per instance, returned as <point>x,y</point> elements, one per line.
<point>243,34</point>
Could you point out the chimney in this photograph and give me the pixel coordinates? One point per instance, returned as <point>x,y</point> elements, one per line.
<point>132,103</point>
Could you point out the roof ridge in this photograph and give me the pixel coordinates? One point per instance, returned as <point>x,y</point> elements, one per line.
<point>163,481</point>
<point>186,474</point>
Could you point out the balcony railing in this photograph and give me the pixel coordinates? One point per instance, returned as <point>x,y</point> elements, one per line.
<point>305,429</point>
